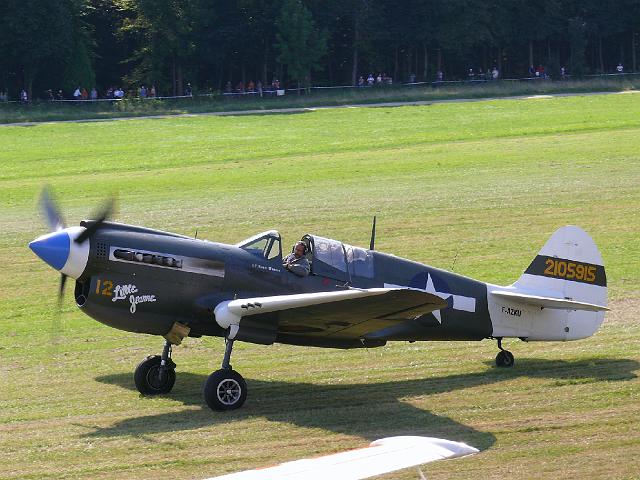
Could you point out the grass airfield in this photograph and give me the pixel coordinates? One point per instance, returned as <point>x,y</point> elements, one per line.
<point>477,187</point>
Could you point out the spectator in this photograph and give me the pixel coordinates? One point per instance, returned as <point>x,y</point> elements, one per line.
<point>109,92</point>
<point>620,68</point>
<point>49,95</point>
<point>59,95</point>
<point>251,87</point>
<point>439,76</point>
<point>3,96</point>
<point>94,94</point>
<point>471,75</point>
<point>361,81</point>
<point>188,91</point>
<point>77,95</point>
<point>532,71</point>
<point>152,92</point>
<point>24,97</point>
<point>563,73</point>
<point>495,74</point>
<point>412,78</point>
<point>240,87</point>
<point>370,80</point>
<point>143,92</point>
<point>379,79</point>
<point>118,93</point>
<point>84,94</point>
<point>259,87</point>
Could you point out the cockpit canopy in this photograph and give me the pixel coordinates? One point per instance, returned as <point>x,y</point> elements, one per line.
<point>266,245</point>
<point>332,258</point>
<point>327,257</point>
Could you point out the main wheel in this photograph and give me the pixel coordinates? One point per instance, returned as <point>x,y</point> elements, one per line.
<point>225,390</point>
<point>504,359</point>
<point>151,379</point>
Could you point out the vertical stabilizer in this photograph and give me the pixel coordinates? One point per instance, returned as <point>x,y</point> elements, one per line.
<point>569,266</point>
<point>562,295</point>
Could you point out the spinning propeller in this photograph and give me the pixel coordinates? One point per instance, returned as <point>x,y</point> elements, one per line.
<point>65,248</point>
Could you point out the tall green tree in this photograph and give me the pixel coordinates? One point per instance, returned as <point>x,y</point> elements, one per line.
<point>111,48</point>
<point>259,34</point>
<point>45,39</point>
<point>164,28</point>
<point>79,70</point>
<point>300,45</point>
<point>604,21</point>
<point>578,42</point>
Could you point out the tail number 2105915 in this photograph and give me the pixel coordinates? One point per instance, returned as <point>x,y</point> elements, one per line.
<point>570,270</point>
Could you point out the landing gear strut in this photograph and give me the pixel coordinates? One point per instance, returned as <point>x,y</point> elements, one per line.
<point>504,357</point>
<point>156,374</point>
<point>225,389</point>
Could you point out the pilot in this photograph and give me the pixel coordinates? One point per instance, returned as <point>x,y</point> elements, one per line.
<point>296,262</point>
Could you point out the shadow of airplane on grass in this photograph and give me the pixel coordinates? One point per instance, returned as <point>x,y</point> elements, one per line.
<point>368,410</point>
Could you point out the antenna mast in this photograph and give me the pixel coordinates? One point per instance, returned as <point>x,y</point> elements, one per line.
<point>373,234</point>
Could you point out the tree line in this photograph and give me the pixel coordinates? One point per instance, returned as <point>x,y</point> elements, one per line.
<point>63,44</point>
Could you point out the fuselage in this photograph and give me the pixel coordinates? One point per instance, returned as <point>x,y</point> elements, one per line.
<point>144,280</point>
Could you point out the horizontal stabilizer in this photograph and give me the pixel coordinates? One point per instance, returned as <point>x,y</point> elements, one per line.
<point>381,456</point>
<point>548,302</point>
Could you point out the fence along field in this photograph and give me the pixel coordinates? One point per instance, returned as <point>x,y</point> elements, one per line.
<point>131,106</point>
<point>482,185</point>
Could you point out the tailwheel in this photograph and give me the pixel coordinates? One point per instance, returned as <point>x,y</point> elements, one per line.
<point>225,389</point>
<point>152,378</point>
<point>505,359</point>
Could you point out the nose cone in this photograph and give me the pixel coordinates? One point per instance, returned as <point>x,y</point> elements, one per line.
<point>53,248</point>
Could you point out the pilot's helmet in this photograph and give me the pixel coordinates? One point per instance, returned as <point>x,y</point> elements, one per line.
<point>304,246</point>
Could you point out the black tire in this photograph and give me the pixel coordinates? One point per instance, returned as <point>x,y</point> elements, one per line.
<point>505,359</point>
<point>148,379</point>
<point>225,390</point>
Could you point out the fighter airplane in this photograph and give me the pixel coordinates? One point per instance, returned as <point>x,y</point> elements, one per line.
<point>150,281</point>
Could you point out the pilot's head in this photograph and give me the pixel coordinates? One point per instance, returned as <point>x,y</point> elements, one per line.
<point>300,249</point>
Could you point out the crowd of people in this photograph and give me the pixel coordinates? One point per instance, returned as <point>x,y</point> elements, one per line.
<point>380,79</point>
<point>490,74</point>
<point>252,87</point>
<point>81,94</point>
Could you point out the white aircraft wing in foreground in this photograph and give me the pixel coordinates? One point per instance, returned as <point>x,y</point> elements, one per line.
<point>381,456</point>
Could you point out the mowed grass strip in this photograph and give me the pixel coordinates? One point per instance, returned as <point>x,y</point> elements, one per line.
<point>478,186</point>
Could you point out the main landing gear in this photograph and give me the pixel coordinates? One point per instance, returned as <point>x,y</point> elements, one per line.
<point>504,357</point>
<point>156,374</point>
<point>225,389</point>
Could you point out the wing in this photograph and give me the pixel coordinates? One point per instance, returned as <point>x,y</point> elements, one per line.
<point>382,456</point>
<point>346,314</point>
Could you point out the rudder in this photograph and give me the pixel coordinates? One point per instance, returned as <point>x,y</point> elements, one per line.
<point>569,266</point>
